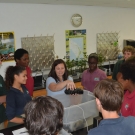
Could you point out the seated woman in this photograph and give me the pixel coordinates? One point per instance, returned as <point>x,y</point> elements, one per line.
<point>17,96</point>
<point>58,79</point>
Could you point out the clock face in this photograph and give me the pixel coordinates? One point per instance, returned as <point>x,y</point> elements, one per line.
<point>76,20</point>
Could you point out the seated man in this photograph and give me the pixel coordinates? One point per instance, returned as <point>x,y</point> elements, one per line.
<point>109,96</point>
<point>44,116</point>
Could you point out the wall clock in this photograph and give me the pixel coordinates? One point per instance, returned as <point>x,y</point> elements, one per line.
<point>76,20</point>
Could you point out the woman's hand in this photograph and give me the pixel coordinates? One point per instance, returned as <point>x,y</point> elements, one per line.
<point>17,120</point>
<point>70,85</point>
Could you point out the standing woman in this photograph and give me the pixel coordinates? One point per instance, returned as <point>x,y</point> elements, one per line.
<point>21,58</point>
<point>58,79</point>
<point>18,96</point>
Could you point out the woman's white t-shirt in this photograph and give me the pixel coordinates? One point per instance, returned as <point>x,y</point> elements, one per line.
<point>52,80</point>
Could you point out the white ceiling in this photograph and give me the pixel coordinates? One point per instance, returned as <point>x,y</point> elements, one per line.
<point>107,3</point>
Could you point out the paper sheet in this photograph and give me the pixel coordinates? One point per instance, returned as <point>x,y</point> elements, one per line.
<point>21,131</point>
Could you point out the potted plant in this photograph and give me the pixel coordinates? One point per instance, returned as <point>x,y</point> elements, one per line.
<point>77,66</point>
<point>69,66</point>
<point>101,59</point>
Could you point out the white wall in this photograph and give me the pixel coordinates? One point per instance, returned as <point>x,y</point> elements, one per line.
<point>30,19</point>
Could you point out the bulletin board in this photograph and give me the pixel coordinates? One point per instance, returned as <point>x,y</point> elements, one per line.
<point>75,44</point>
<point>7,46</point>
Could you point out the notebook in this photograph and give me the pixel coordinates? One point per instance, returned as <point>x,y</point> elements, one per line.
<point>21,131</point>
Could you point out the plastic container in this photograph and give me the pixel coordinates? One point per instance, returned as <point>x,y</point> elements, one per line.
<point>79,110</point>
<point>63,132</point>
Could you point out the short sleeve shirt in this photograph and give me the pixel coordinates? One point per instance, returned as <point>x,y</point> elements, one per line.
<point>128,105</point>
<point>16,101</point>
<point>52,80</point>
<point>30,81</point>
<point>89,80</point>
<point>116,126</point>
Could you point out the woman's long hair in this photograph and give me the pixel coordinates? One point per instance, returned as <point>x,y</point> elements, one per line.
<point>52,72</point>
<point>10,72</point>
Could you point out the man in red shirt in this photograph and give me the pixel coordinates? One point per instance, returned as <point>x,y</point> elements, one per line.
<point>127,78</point>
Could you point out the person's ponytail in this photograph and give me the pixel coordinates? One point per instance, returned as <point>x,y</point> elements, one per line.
<point>9,78</point>
<point>10,72</point>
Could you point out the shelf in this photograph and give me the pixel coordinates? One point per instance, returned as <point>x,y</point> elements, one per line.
<point>109,62</point>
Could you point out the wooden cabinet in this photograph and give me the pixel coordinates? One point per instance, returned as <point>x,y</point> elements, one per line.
<point>79,85</point>
<point>109,77</point>
<point>39,93</point>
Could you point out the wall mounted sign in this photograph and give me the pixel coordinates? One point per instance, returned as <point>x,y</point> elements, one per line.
<point>7,46</point>
<point>75,44</point>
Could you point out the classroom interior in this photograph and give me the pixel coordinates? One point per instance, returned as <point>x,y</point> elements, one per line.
<point>38,19</point>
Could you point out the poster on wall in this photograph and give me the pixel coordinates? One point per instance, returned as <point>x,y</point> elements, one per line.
<point>75,44</point>
<point>7,46</point>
